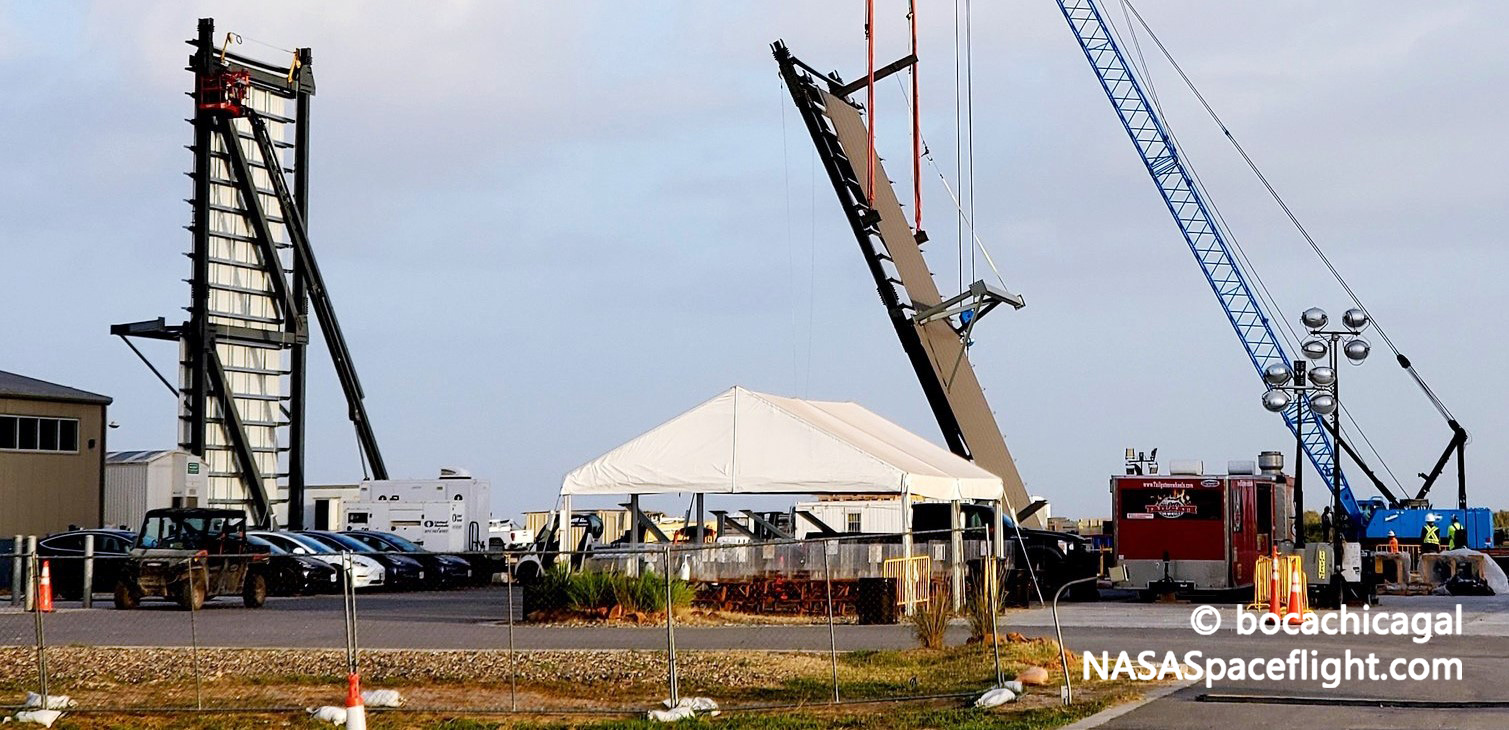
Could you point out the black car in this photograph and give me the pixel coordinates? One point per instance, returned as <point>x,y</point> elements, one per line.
<point>296,575</point>
<point>448,571</point>
<point>65,551</point>
<point>403,572</point>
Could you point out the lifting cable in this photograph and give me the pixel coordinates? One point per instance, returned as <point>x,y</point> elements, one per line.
<point>969,106</point>
<point>927,154</point>
<point>911,16</point>
<point>870,92</point>
<point>1286,331</point>
<point>958,150</point>
<point>1404,362</point>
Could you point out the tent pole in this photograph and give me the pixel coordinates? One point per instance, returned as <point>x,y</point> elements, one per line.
<point>956,553</point>
<point>634,541</point>
<point>563,541</point>
<point>701,533</point>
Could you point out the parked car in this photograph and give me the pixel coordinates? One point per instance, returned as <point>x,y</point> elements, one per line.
<point>191,556</point>
<point>366,571</point>
<point>403,572</point>
<point>449,571</point>
<point>66,567</point>
<point>296,575</point>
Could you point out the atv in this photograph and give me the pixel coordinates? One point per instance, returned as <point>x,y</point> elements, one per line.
<point>190,556</point>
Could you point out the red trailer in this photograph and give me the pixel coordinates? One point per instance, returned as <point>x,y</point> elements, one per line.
<point>1199,532</point>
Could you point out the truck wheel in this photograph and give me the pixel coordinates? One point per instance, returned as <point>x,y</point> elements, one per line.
<point>126,598</point>
<point>254,592</point>
<point>191,594</point>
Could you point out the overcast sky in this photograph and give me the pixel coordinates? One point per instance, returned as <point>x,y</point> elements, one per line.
<point>550,226</point>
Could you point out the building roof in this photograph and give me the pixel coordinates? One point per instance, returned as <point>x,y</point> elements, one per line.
<point>22,387</point>
<point>137,457</point>
<point>743,442</point>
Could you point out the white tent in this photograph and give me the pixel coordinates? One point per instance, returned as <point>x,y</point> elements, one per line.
<point>743,442</point>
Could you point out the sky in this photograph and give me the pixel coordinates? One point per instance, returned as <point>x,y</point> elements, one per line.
<point>547,227</point>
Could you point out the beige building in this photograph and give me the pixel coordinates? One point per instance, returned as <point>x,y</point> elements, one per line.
<point>52,456</point>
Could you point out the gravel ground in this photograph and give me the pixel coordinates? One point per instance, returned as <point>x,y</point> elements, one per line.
<point>90,667</point>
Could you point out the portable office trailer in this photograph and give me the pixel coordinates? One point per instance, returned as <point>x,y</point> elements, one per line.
<point>137,481</point>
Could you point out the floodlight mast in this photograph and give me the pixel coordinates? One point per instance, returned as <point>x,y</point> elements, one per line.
<point>933,331</point>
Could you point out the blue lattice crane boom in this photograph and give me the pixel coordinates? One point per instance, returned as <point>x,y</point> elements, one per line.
<point>1176,183</point>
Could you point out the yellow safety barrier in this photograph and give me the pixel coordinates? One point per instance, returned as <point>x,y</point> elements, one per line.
<point>913,576</point>
<point>1291,567</point>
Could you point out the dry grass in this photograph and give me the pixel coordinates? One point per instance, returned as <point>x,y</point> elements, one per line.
<point>468,690</point>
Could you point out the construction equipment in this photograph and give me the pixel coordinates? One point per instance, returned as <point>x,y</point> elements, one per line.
<point>254,279</point>
<point>935,332</point>
<point>1368,521</point>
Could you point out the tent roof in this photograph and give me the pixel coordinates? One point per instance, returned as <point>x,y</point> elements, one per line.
<point>743,442</point>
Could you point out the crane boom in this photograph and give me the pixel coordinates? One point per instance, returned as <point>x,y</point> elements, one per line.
<point>1206,240</point>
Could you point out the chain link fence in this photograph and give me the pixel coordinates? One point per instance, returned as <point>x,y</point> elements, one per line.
<point>833,619</point>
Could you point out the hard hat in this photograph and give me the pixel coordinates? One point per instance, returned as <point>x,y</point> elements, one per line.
<point>1430,518</point>
<point>1454,518</point>
<point>1390,533</point>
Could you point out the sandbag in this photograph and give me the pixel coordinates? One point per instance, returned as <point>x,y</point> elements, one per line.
<point>382,698</point>
<point>54,702</point>
<point>329,713</point>
<point>675,714</point>
<point>996,697</point>
<point>45,718</point>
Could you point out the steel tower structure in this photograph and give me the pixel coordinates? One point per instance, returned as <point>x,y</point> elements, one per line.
<point>243,360</point>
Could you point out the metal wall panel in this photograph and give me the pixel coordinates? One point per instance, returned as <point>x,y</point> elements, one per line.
<point>241,295</point>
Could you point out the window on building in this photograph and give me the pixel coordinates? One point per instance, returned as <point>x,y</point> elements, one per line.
<point>853,522</point>
<point>38,433</point>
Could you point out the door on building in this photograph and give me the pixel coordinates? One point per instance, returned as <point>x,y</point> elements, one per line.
<point>322,515</point>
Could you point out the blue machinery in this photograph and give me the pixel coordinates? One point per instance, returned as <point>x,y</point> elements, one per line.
<point>1253,327</point>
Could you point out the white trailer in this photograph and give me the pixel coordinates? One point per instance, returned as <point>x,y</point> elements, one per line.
<point>449,514</point>
<point>850,516</point>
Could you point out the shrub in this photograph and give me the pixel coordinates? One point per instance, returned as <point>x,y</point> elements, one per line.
<point>930,620</point>
<point>591,590</point>
<point>979,612</point>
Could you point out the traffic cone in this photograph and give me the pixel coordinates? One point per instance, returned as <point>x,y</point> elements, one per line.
<point>356,713</point>
<point>1273,604</point>
<point>44,590</point>
<point>1296,609</point>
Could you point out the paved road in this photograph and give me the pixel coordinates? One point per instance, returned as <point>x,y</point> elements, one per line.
<point>475,619</point>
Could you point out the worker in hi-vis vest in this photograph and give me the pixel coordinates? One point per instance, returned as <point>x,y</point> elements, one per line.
<point>1430,537</point>
<point>1456,534</point>
<point>1393,542</point>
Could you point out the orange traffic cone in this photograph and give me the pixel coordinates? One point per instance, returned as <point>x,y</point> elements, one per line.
<point>1273,604</point>
<point>44,590</point>
<point>356,712</point>
<point>1296,612</point>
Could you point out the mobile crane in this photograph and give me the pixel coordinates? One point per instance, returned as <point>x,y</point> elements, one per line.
<point>1370,520</point>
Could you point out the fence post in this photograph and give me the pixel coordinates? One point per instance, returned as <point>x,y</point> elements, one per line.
<point>993,595</point>
<point>86,592</point>
<point>31,572</point>
<point>348,597</point>
<point>194,631</point>
<point>670,632</point>
<point>513,661</point>
<point>34,580</point>
<point>832,637</point>
<point>17,571</point>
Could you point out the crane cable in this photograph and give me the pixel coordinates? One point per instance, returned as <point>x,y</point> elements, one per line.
<point>1287,332</point>
<point>911,16</point>
<point>927,153</point>
<point>1404,362</point>
<point>870,91</point>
